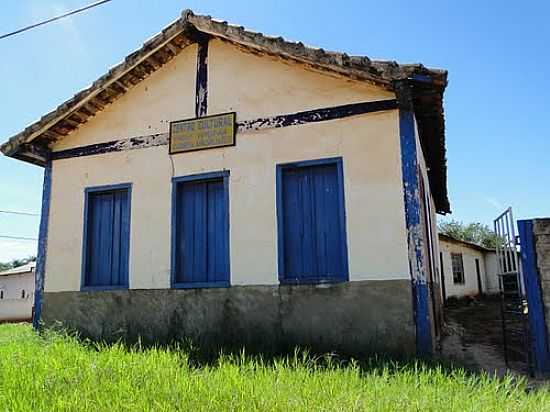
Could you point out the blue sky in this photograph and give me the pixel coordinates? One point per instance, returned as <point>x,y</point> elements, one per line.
<point>497,54</point>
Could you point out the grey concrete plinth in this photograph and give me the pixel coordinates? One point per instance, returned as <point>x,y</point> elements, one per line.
<point>351,318</point>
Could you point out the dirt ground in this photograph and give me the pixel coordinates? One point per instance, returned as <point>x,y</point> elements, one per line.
<point>472,337</point>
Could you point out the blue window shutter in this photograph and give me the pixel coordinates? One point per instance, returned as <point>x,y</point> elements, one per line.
<point>201,238</point>
<point>217,236</point>
<point>313,232</point>
<point>329,232</point>
<point>107,238</point>
<point>293,222</point>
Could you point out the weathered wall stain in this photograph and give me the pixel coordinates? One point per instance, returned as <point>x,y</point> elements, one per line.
<point>351,318</point>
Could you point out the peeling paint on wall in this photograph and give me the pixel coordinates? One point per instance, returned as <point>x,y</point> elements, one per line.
<point>409,165</point>
<point>293,119</point>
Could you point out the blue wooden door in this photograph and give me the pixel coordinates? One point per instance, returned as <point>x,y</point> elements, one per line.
<point>202,252</point>
<point>107,238</point>
<point>312,224</point>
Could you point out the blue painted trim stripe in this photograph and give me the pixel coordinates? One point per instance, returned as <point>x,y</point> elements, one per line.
<point>200,285</point>
<point>99,288</point>
<point>40,270</point>
<point>283,120</point>
<point>305,281</point>
<point>537,322</point>
<point>409,165</point>
<point>201,176</point>
<point>106,188</point>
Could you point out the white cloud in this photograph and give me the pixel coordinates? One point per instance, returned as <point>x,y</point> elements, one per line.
<point>16,249</point>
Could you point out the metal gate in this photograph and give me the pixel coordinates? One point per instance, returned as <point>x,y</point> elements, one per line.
<point>513,303</point>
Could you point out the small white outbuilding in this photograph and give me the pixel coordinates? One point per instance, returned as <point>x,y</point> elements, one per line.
<point>17,293</point>
<point>467,269</point>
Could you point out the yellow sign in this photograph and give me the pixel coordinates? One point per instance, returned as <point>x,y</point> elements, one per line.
<point>202,133</point>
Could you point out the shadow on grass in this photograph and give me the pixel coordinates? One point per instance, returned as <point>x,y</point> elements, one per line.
<point>202,355</point>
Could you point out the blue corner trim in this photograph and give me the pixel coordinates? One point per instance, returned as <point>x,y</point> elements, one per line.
<point>312,281</point>
<point>537,323</point>
<point>95,189</point>
<point>198,177</point>
<point>409,165</point>
<point>280,225</point>
<point>422,314</point>
<point>42,245</point>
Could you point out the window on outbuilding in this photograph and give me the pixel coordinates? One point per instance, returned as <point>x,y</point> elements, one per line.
<point>23,294</point>
<point>458,268</point>
<point>106,237</point>
<point>311,222</point>
<point>200,231</point>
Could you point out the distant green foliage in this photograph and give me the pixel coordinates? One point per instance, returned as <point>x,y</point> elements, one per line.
<point>477,233</point>
<point>54,372</point>
<point>16,263</point>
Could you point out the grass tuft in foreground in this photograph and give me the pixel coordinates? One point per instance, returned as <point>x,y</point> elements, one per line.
<point>56,372</point>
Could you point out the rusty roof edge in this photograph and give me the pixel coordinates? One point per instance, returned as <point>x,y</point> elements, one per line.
<point>449,238</point>
<point>380,72</point>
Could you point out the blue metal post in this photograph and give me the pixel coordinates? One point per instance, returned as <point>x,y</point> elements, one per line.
<point>409,165</point>
<point>531,280</point>
<point>42,245</point>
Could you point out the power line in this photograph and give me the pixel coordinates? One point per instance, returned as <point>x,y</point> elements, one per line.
<point>14,212</point>
<point>18,238</point>
<point>32,26</point>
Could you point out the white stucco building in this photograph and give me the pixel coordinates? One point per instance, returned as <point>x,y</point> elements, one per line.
<point>17,293</point>
<point>467,269</point>
<point>307,217</point>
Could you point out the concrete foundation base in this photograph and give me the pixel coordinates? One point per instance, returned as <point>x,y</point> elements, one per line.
<point>350,318</point>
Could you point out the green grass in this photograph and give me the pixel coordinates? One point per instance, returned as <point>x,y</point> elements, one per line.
<point>56,372</point>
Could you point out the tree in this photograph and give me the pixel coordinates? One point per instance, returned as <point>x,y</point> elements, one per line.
<point>5,266</point>
<point>16,263</point>
<point>477,233</point>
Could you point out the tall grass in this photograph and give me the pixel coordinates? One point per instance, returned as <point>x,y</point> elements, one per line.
<point>56,372</point>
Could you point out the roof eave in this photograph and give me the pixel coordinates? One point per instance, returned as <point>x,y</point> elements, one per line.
<point>66,118</point>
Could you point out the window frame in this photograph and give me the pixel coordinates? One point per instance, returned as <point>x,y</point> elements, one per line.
<point>463,278</point>
<point>280,168</point>
<point>224,175</point>
<point>87,193</point>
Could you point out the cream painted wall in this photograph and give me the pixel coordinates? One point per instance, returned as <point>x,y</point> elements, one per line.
<point>254,87</point>
<point>470,286</point>
<point>12,305</point>
<point>251,85</point>
<point>491,270</point>
<point>148,108</point>
<point>263,86</point>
